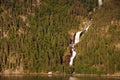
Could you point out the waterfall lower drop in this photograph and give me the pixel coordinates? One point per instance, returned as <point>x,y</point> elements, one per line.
<point>72,57</point>
<point>76,39</point>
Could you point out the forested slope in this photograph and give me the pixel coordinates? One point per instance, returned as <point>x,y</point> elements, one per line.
<point>34,35</point>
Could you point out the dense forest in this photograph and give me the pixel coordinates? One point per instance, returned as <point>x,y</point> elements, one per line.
<point>35,36</point>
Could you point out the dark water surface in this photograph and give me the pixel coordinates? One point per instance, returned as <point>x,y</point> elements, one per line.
<point>41,77</point>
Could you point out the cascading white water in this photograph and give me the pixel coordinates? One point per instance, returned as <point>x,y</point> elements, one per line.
<point>74,42</point>
<point>72,58</point>
<point>77,37</point>
<point>100,3</point>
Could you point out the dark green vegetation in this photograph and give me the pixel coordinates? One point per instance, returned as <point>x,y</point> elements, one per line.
<point>34,35</point>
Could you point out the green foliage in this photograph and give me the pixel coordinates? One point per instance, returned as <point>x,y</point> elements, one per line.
<point>34,36</point>
<point>36,32</point>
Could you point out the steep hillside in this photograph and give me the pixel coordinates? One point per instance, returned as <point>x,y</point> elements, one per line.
<point>35,35</point>
<point>99,50</point>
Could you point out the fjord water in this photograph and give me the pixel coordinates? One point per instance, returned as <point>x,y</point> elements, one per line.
<point>40,77</point>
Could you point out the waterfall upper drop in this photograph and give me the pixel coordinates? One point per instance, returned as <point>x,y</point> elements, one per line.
<point>77,36</point>
<point>76,39</point>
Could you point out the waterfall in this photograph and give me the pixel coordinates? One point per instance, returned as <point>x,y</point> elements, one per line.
<point>77,36</point>
<point>76,39</point>
<point>72,57</point>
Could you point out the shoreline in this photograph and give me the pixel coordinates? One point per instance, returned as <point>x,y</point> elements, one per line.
<point>55,74</point>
